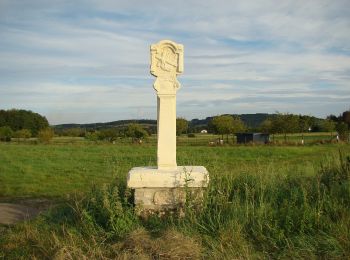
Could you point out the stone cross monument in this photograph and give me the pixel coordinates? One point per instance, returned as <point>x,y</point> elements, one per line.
<point>166,64</point>
<point>163,187</point>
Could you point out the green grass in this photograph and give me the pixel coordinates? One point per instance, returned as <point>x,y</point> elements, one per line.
<point>262,202</point>
<point>58,170</point>
<point>198,140</point>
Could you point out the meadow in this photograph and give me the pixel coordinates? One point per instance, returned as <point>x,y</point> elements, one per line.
<point>263,202</point>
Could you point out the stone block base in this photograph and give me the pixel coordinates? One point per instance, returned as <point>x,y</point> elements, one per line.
<point>158,200</point>
<point>160,191</point>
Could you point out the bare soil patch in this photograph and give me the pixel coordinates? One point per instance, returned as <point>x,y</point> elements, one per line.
<point>22,209</point>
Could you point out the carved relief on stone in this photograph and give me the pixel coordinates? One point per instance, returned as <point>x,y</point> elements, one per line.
<point>166,64</point>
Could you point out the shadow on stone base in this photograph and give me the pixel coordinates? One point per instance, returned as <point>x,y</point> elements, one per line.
<point>166,201</point>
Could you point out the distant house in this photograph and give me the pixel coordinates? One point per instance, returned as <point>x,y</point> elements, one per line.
<point>204,131</point>
<point>243,138</point>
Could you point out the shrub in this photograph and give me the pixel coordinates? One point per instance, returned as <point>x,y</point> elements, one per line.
<point>136,132</point>
<point>6,133</point>
<point>92,136</point>
<point>45,135</point>
<point>191,135</point>
<point>343,131</point>
<point>74,132</point>
<point>181,126</point>
<point>24,133</point>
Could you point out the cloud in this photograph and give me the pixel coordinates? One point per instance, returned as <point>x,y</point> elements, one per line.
<point>82,61</point>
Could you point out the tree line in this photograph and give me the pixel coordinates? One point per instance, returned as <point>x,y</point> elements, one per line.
<point>283,123</point>
<point>135,131</point>
<point>289,123</point>
<point>21,124</point>
<point>24,124</point>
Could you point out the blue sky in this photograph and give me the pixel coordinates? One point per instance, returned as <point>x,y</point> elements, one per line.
<point>88,61</point>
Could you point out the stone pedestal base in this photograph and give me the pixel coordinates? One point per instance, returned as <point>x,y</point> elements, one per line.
<point>159,191</point>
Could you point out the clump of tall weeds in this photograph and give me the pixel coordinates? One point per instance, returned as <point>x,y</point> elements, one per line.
<point>105,210</point>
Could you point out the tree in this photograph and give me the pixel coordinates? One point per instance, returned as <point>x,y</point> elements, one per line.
<point>6,133</point>
<point>136,132</point>
<point>45,135</point>
<point>304,123</point>
<point>181,126</point>
<point>23,133</point>
<point>266,126</point>
<point>285,123</point>
<point>222,125</point>
<point>328,126</point>
<point>238,125</point>
<point>343,131</point>
<point>333,118</point>
<point>346,118</point>
<point>18,119</point>
<point>110,134</point>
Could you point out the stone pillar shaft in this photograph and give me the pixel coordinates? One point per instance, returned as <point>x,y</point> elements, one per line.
<point>166,125</point>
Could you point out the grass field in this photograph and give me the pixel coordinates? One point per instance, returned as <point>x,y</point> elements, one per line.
<point>204,139</point>
<point>70,168</point>
<point>263,202</point>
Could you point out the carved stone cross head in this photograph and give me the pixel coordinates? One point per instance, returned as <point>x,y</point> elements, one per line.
<point>166,64</point>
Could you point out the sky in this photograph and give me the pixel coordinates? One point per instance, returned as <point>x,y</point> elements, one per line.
<point>88,61</point>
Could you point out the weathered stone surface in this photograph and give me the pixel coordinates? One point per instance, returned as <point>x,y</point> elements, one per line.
<point>153,198</point>
<point>166,64</point>
<point>169,196</point>
<point>159,200</point>
<point>151,177</point>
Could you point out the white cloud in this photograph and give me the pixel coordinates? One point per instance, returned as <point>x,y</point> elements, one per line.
<point>94,56</point>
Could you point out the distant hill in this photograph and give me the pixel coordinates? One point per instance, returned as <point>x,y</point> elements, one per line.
<point>251,120</point>
<point>254,120</point>
<point>96,126</point>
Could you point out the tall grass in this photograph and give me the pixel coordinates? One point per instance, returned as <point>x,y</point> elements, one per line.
<point>278,216</point>
<point>282,214</point>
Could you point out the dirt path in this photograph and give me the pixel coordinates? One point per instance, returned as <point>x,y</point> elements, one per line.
<point>11,213</point>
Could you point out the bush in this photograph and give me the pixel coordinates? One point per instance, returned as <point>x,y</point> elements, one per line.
<point>191,135</point>
<point>136,132</point>
<point>181,126</point>
<point>92,136</point>
<point>5,133</point>
<point>46,135</point>
<point>343,131</point>
<point>24,133</point>
<point>74,132</point>
<point>110,134</point>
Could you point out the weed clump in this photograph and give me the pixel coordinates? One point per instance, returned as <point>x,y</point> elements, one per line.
<point>105,210</point>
